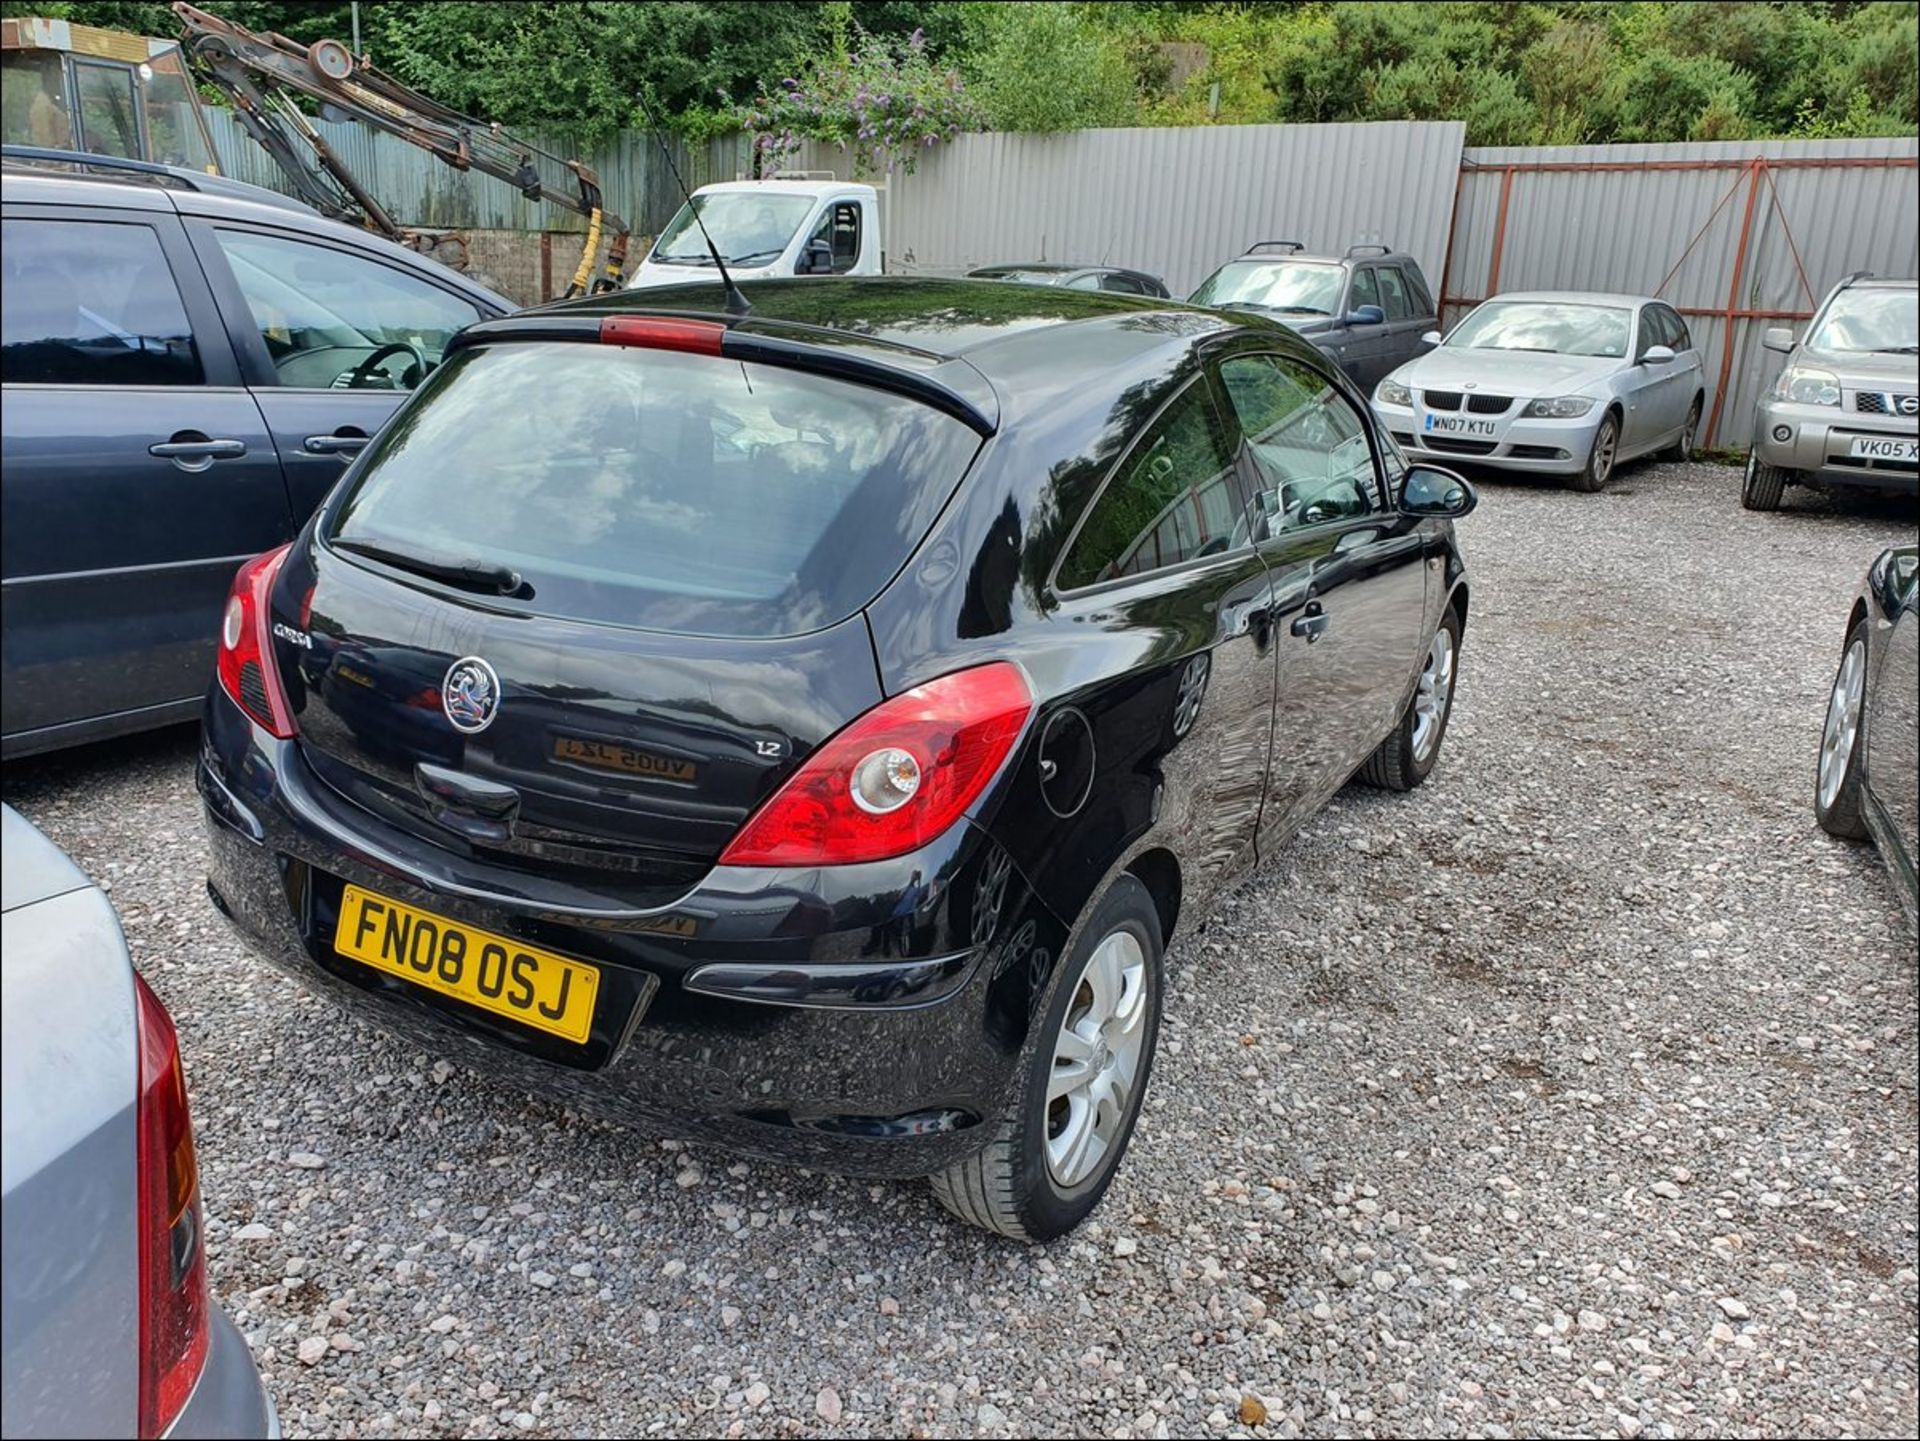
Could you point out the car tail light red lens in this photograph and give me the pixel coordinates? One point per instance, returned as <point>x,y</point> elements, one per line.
<point>246,666</point>
<point>894,779</point>
<point>696,337</point>
<point>173,1263</point>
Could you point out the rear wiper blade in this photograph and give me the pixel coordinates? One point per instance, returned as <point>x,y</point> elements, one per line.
<point>474,574</point>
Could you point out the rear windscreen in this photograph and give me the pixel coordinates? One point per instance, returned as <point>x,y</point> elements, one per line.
<point>662,490</point>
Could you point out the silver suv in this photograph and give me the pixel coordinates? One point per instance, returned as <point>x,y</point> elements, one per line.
<point>1846,408</point>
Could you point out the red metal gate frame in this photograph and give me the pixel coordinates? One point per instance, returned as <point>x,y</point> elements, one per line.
<point>1752,171</point>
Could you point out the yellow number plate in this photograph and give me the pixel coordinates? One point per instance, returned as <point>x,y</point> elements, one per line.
<point>536,988</point>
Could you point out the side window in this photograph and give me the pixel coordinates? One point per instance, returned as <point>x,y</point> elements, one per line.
<point>1308,445</point>
<point>91,303</point>
<point>1082,282</point>
<point>337,321</point>
<point>840,228</point>
<point>1677,334</point>
<point>1366,291</point>
<point>35,96</point>
<point>1417,289</point>
<point>1172,498</point>
<point>1393,294</point>
<point>109,123</point>
<point>1653,331</point>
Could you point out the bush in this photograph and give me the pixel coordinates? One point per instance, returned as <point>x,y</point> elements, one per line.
<point>884,102</point>
<point>1044,66</point>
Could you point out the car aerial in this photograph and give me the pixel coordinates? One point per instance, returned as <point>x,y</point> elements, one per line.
<point>804,731</point>
<point>1867,783</point>
<point>1369,309</point>
<point>110,1330</point>
<point>185,371</point>
<point>1112,278</point>
<point>1552,382</point>
<point>1845,410</point>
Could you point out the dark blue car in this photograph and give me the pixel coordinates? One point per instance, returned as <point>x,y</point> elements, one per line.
<point>186,371</point>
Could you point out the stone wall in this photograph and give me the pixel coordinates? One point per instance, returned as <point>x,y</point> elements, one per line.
<point>530,266</point>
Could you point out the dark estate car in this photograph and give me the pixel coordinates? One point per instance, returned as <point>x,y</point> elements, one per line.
<point>1114,279</point>
<point>1369,308</point>
<point>806,730</point>
<point>1867,784</point>
<point>185,371</point>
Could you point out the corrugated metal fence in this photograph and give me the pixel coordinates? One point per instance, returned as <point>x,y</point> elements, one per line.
<point>418,189</point>
<point>1174,201</point>
<point>1736,235</point>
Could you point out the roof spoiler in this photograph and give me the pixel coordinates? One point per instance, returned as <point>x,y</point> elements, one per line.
<point>1285,247</point>
<point>735,338</point>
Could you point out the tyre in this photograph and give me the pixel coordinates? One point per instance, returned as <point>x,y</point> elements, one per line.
<point>1763,486</point>
<point>1836,778</point>
<point>1606,446</point>
<point>1406,756</point>
<point>1052,1155</point>
<point>1682,447</point>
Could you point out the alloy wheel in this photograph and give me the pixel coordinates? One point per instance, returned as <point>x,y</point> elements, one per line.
<point>1605,444</point>
<point>1843,723</point>
<point>1096,1059</point>
<point>1434,694</point>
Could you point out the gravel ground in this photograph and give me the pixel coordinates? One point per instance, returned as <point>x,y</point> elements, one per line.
<point>1572,1095</point>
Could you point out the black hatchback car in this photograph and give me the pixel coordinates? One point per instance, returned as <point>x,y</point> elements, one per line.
<point>806,731</point>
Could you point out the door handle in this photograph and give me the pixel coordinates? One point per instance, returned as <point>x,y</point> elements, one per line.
<point>192,451</point>
<point>1313,624</point>
<point>335,444</point>
<point>199,449</point>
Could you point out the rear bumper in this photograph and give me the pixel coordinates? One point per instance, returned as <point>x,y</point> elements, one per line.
<point>805,1016</point>
<point>228,1399</point>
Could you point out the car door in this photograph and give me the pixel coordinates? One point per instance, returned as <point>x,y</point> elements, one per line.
<point>1893,733</point>
<point>1347,575</point>
<point>1407,318</point>
<point>330,337</point>
<point>1684,376</point>
<point>138,472</point>
<point>1364,350</point>
<point>1164,556</point>
<point>1647,386</point>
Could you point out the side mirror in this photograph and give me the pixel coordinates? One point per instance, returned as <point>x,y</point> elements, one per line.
<point>1777,337</point>
<point>1365,315</point>
<point>816,259</point>
<point>1432,337</point>
<point>1431,491</point>
<point>1657,355</point>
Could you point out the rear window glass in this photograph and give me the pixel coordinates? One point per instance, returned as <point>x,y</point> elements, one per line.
<point>666,491</point>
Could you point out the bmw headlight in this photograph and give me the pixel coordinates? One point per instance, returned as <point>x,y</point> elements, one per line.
<point>1560,407</point>
<point>1392,392</point>
<point>1808,386</point>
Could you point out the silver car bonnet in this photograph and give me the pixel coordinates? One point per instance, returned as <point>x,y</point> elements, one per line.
<point>1525,373</point>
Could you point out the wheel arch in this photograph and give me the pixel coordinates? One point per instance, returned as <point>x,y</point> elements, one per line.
<point>1159,871</point>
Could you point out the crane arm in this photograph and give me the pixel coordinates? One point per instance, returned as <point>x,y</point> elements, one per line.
<point>255,71</point>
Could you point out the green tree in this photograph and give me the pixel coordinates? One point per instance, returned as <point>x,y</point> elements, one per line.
<point>1045,66</point>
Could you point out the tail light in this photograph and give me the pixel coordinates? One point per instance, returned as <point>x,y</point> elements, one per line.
<point>247,670</point>
<point>894,779</point>
<point>173,1264</point>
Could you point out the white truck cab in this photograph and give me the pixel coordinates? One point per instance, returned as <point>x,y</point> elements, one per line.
<point>769,228</point>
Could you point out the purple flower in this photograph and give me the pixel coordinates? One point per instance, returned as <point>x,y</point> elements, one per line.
<point>791,83</point>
